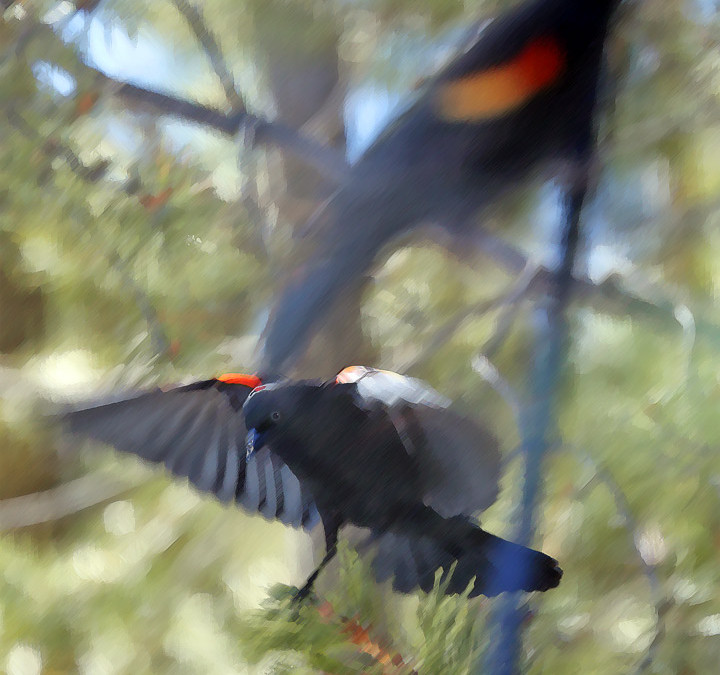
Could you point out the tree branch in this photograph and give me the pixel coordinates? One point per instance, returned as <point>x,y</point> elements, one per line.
<point>660,603</point>
<point>61,501</point>
<point>195,20</point>
<point>537,425</point>
<point>617,295</point>
<point>262,131</point>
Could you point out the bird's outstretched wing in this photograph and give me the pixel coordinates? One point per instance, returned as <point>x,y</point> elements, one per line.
<point>457,458</point>
<point>197,431</point>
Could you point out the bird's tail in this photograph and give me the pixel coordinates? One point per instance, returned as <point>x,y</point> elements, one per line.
<point>493,565</point>
<point>513,567</point>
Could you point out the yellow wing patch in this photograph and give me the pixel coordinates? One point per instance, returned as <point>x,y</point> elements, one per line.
<point>501,89</point>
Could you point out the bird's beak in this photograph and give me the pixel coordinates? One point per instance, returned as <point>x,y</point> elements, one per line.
<point>253,443</point>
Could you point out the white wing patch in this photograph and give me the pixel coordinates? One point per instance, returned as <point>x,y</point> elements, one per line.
<point>391,388</point>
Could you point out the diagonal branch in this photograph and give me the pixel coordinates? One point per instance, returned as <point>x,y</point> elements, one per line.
<point>329,162</point>
<point>193,16</point>
<point>61,501</point>
<point>617,295</point>
<point>263,132</point>
<point>613,296</point>
<point>195,20</point>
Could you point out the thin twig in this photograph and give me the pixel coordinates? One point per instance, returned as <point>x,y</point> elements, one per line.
<point>507,301</point>
<point>196,21</point>
<point>617,295</point>
<point>209,43</point>
<point>623,508</point>
<point>158,337</point>
<point>485,368</point>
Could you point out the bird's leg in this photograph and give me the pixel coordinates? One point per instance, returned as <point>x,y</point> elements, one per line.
<point>305,590</point>
<point>331,525</point>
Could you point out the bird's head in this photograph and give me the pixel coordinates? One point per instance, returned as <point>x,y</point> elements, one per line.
<point>274,408</point>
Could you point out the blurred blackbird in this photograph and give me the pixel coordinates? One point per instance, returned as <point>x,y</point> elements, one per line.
<point>383,452</point>
<point>517,103</point>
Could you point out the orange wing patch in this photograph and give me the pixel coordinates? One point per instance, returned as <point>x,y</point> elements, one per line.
<point>501,89</point>
<point>251,381</point>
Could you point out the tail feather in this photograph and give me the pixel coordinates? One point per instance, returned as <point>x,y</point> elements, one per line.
<point>517,567</point>
<point>492,565</point>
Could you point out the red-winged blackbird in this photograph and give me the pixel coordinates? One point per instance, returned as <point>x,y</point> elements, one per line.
<point>401,444</point>
<point>198,432</point>
<point>381,451</point>
<point>517,103</point>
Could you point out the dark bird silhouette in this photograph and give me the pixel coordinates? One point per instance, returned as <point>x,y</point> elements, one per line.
<point>371,448</point>
<point>517,103</point>
<point>383,452</point>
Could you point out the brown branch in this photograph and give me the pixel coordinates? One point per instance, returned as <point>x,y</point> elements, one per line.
<point>390,662</point>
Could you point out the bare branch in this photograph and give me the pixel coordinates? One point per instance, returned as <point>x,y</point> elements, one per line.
<point>158,337</point>
<point>537,422</point>
<point>196,21</point>
<point>263,132</point>
<point>660,602</point>
<point>61,501</point>
<point>329,162</point>
<point>617,295</point>
<point>209,43</point>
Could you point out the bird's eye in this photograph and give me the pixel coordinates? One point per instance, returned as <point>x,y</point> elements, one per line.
<point>275,416</point>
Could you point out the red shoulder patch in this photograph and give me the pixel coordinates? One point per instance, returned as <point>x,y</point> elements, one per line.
<point>501,89</point>
<point>251,381</point>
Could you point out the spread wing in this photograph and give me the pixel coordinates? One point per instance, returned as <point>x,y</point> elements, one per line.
<point>197,431</point>
<point>458,459</point>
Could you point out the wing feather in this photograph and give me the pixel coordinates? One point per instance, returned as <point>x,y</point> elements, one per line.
<point>197,431</point>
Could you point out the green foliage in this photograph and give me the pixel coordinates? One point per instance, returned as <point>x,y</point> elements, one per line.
<point>115,227</point>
